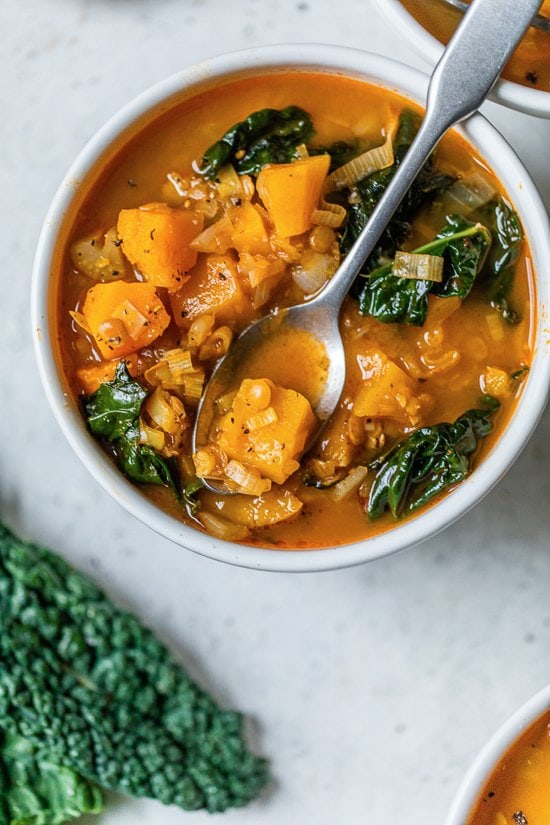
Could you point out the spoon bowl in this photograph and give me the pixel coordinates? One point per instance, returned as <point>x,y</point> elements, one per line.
<point>314,325</point>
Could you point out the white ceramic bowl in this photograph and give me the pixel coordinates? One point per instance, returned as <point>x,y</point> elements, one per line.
<point>523,98</point>
<point>386,73</point>
<point>488,758</point>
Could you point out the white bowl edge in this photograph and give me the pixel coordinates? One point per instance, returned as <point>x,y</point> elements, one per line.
<point>490,755</point>
<point>410,83</point>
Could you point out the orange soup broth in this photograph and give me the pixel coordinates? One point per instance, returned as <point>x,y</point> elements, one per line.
<point>520,784</point>
<point>530,65</point>
<point>341,108</point>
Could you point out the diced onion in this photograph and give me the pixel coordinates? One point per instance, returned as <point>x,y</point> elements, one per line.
<point>362,166</point>
<point>228,183</point>
<point>262,293</point>
<point>419,267</point>
<point>470,193</point>
<point>262,419</point>
<point>215,238</point>
<point>248,481</point>
<point>152,437</point>
<point>313,271</point>
<point>80,321</point>
<point>200,329</point>
<point>343,489</point>
<point>222,529</point>
<point>99,256</point>
<point>217,343</point>
<point>165,410</point>
<point>134,321</point>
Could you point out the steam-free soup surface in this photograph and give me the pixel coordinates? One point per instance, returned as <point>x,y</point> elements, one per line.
<point>518,790</point>
<point>400,376</point>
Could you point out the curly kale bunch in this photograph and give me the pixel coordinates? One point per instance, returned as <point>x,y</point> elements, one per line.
<point>89,688</point>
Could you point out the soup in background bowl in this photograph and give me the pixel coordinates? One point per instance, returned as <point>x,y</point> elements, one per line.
<point>509,782</point>
<point>182,231</point>
<point>525,82</point>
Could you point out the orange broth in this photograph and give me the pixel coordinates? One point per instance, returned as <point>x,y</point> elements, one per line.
<point>530,64</point>
<point>341,108</point>
<point>518,790</point>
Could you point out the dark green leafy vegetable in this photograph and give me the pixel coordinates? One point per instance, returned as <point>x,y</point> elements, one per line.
<point>190,499</point>
<point>392,299</point>
<point>266,136</point>
<point>428,462</point>
<point>365,195</point>
<point>112,413</point>
<point>36,791</point>
<point>507,235</point>
<point>519,374</point>
<point>341,152</point>
<point>92,690</point>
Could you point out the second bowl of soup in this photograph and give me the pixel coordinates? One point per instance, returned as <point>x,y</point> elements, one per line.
<point>525,82</point>
<point>508,784</point>
<point>234,190</point>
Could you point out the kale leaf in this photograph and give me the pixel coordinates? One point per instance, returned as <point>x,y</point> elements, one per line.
<point>499,272</point>
<point>428,462</point>
<point>112,413</point>
<point>463,246</point>
<point>90,689</point>
<point>365,195</point>
<point>341,152</point>
<point>34,790</point>
<point>266,136</point>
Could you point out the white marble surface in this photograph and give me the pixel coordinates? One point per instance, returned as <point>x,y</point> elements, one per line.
<point>373,688</point>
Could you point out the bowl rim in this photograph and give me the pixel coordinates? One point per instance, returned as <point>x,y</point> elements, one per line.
<point>507,93</point>
<point>384,72</point>
<point>490,755</point>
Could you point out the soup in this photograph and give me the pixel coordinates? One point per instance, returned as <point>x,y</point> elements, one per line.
<point>239,202</point>
<point>517,792</point>
<point>530,64</point>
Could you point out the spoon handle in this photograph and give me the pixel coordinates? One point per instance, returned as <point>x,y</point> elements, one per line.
<point>464,76</point>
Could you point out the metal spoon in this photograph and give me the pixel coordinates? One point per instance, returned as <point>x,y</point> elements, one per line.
<point>539,21</point>
<point>466,73</point>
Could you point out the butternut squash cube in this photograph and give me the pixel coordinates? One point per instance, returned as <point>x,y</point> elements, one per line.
<point>274,449</point>
<point>249,230</point>
<point>156,239</point>
<point>387,391</point>
<point>214,287</point>
<point>123,317</point>
<point>91,378</point>
<point>291,191</point>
